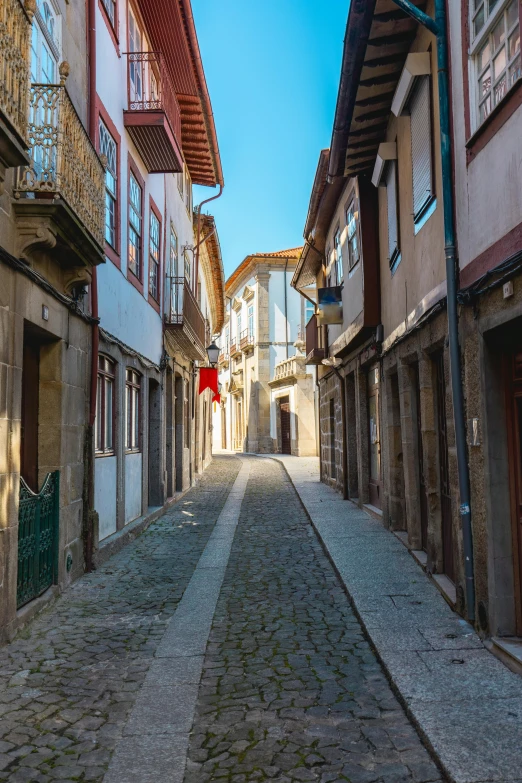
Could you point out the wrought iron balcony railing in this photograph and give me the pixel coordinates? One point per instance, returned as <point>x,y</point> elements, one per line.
<point>15,39</point>
<point>184,318</point>
<point>153,116</point>
<point>246,340</point>
<point>64,164</point>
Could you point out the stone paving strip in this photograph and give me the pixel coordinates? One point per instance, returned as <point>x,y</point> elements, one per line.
<point>290,689</point>
<point>68,683</point>
<point>466,703</point>
<point>155,739</point>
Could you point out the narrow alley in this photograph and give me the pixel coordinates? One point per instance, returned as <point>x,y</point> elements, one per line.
<point>219,645</point>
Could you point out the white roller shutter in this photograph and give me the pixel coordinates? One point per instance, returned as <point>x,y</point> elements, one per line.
<point>420,111</point>
<point>393,222</point>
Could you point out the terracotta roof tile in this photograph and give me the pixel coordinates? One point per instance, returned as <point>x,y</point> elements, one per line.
<point>293,252</point>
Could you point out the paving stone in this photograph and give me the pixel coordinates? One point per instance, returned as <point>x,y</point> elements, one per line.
<point>290,688</point>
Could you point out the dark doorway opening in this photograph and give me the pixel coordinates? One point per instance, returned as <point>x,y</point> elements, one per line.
<point>423,495</point>
<point>284,413</point>
<point>444,482</point>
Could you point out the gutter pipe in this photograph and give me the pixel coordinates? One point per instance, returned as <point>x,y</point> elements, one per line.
<point>198,242</point>
<point>286,313</point>
<point>88,513</point>
<point>438,27</point>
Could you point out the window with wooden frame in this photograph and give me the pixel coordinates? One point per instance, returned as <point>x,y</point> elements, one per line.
<point>173,253</point>
<point>109,148</point>
<point>421,147</point>
<point>154,255</point>
<point>132,410</point>
<point>187,266</point>
<point>110,7</point>
<point>251,322</point>
<point>392,203</point>
<point>352,231</point>
<point>135,226</point>
<point>338,256</point>
<point>180,178</point>
<point>188,191</point>
<point>105,407</point>
<point>495,31</point>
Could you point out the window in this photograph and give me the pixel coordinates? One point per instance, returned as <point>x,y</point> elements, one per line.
<point>154,255</point>
<point>105,407</point>
<point>135,220</point>
<point>421,147</point>
<point>136,39</point>
<point>309,310</point>
<point>132,411</point>
<point>188,191</point>
<point>45,44</point>
<point>497,61</point>
<point>251,322</point>
<point>227,340</point>
<point>173,256</point>
<point>188,270</point>
<point>110,7</point>
<point>392,190</point>
<point>238,325</point>
<point>352,230</point>
<point>109,148</point>
<point>180,178</point>
<point>338,256</point>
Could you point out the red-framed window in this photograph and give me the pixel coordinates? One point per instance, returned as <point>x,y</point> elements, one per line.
<point>109,12</point>
<point>135,227</point>
<point>154,254</point>
<point>109,143</point>
<point>105,407</point>
<point>132,410</point>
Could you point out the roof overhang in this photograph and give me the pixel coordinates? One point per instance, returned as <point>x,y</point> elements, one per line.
<point>378,39</point>
<point>212,266</point>
<point>172,30</point>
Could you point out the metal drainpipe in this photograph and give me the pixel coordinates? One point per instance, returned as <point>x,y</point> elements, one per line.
<point>286,314</point>
<point>439,28</point>
<point>206,201</point>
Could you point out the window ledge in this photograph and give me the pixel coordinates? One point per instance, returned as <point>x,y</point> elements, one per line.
<point>495,120</point>
<point>100,454</point>
<point>424,215</point>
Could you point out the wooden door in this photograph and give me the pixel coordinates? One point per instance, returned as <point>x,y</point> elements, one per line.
<point>284,408</point>
<point>29,434</point>
<point>423,496</point>
<point>374,432</point>
<point>444,483</point>
<point>513,372</point>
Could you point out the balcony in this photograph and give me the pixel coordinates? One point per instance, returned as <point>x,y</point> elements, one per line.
<point>315,352</point>
<point>15,37</point>
<point>289,371</point>
<point>59,197</point>
<point>235,348</point>
<point>153,118</point>
<point>224,359</point>
<point>185,325</point>
<point>246,341</point>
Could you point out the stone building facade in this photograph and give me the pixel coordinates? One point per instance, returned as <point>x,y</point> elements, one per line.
<point>264,319</point>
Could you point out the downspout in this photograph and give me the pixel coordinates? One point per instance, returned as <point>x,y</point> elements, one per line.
<point>439,28</point>
<point>345,434</point>
<point>89,512</point>
<point>286,313</point>
<point>198,243</point>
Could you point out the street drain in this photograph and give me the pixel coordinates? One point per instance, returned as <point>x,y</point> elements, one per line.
<point>457,661</point>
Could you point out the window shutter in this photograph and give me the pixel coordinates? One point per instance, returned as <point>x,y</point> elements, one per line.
<point>421,145</point>
<point>391,194</point>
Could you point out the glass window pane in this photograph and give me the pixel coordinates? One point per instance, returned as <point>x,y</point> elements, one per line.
<point>99,413</point>
<point>478,22</point>
<point>515,71</point>
<point>498,35</point>
<point>484,56</point>
<point>485,83</point>
<point>499,63</point>
<point>108,414</point>
<point>492,4</point>
<point>499,90</point>
<point>136,416</point>
<point>512,13</point>
<point>514,43</point>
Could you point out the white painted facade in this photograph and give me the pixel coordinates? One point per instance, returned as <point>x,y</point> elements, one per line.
<point>271,317</point>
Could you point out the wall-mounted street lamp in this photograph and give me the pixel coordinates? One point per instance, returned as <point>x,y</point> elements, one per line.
<point>213,354</point>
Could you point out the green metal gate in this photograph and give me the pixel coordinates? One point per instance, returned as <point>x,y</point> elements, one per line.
<point>38,517</point>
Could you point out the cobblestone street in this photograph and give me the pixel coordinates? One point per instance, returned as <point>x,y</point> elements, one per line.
<point>289,689</point>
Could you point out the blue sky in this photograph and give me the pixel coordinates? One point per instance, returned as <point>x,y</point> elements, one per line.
<point>272,69</point>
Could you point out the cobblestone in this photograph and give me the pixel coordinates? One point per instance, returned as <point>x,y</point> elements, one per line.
<point>291,690</point>
<point>68,683</point>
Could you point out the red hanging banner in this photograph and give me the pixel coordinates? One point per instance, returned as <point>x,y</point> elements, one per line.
<point>208,379</point>
<point>216,398</point>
